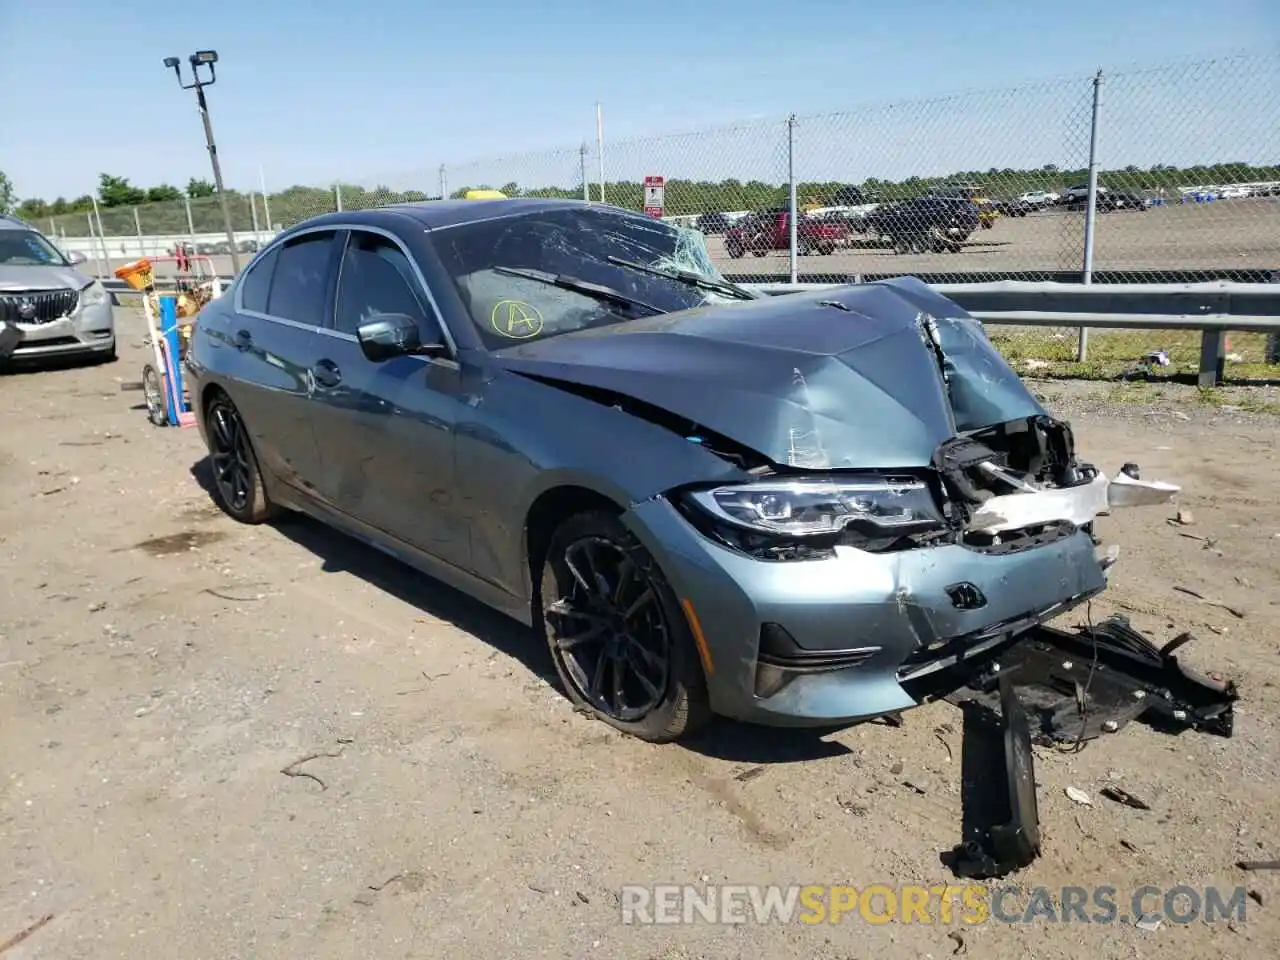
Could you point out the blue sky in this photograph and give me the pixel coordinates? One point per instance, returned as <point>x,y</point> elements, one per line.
<point>387,91</point>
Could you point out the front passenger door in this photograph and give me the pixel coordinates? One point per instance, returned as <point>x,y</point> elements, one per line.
<point>386,430</point>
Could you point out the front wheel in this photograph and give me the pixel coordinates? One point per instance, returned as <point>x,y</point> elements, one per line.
<point>734,248</point>
<point>620,642</point>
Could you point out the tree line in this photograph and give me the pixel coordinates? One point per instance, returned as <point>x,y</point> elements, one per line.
<point>124,208</point>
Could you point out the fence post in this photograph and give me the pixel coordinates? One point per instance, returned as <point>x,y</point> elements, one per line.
<point>1091,211</point>
<point>137,227</point>
<point>337,195</point>
<point>792,203</point>
<point>444,182</point>
<point>253,214</point>
<point>600,145</point>
<point>191,224</point>
<point>53,227</point>
<point>102,237</point>
<point>1272,354</point>
<point>582,163</point>
<point>266,203</point>
<point>97,260</point>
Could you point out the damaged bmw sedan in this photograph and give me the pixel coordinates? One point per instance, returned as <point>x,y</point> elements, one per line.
<point>784,510</point>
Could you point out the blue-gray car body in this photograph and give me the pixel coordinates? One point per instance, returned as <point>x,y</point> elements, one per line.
<point>458,462</point>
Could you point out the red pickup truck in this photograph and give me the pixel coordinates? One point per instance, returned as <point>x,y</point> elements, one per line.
<point>760,233</point>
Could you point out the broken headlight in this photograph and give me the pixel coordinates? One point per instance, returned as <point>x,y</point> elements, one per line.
<point>805,517</point>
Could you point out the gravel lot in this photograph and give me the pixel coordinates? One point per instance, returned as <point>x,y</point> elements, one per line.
<point>160,666</point>
<point>1228,234</point>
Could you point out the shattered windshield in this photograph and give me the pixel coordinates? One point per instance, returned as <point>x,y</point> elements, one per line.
<point>494,266</point>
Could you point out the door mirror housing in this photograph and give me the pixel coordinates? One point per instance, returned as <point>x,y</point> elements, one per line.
<point>396,335</point>
<point>75,258</point>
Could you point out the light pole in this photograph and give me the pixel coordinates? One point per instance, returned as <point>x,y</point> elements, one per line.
<point>208,58</point>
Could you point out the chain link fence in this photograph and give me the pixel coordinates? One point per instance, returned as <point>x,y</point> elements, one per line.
<point>977,186</point>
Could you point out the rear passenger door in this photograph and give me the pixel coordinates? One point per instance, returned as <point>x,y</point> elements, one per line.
<point>282,303</point>
<point>386,430</point>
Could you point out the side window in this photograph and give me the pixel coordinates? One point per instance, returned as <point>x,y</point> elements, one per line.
<point>300,283</point>
<point>376,278</point>
<point>257,283</point>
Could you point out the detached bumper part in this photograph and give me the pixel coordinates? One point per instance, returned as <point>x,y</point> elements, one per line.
<point>1131,678</point>
<point>1012,840</point>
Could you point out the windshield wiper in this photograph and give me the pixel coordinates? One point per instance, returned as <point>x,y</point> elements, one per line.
<point>586,288</point>
<point>688,278</point>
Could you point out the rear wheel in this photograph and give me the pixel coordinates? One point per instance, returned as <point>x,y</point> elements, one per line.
<point>826,249</point>
<point>734,248</point>
<point>236,476</point>
<point>619,640</point>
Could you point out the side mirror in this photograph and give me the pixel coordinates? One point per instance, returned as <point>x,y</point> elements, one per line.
<point>75,258</point>
<point>395,335</point>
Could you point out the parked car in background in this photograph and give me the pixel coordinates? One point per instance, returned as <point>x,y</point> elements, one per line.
<point>1039,199</point>
<point>987,210</point>
<point>787,510</point>
<point>1013,207</point>
<point>936,224</point>
<point>48,308</point>
<point>769,230</point>
<point>1109,201</point>
<point>712,223</point>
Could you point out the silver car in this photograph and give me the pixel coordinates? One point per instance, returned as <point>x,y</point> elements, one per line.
<point>48,308</point>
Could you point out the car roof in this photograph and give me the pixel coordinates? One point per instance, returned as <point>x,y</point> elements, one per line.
<point>439,214</point>
<point>9,222</point>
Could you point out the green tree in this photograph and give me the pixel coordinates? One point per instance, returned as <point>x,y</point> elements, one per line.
<point>118,192</point>
<point>163,193</point>
<point>7,196</point>
<point>196,189</point>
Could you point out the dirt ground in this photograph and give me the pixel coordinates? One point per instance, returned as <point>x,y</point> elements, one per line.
<point>160,666</point>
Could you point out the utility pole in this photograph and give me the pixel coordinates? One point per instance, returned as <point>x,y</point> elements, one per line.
<point>198,59</point>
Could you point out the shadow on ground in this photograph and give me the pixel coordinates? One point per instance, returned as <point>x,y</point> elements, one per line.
<point>724,739</point>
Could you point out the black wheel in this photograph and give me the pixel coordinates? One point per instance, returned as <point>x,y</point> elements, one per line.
<point>826,249</point>
<point>734,248</point>
<point>619,640</point>
<point>153,393</point>
<point>235,468</point>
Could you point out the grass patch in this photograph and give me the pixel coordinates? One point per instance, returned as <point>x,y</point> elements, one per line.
<point>1113,353</point>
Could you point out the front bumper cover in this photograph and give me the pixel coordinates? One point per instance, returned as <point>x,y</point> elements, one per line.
<point>884,611</point>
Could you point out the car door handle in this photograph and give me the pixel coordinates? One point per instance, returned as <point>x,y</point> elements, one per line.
<point>243,340</point>
<point>327,373</point>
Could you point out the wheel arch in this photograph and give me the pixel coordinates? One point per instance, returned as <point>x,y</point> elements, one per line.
<point>549,509</point>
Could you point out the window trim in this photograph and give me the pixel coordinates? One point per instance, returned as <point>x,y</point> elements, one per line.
<point>345,228</point>
<point>256,264</point>
<point>429,309</point>
<point>277,244</point>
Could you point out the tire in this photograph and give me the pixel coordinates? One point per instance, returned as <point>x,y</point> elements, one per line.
<point>826,249</point>
<point>153,392</point>
<point>590,634</point>
<point>236,476</point>
<point>734,248</point>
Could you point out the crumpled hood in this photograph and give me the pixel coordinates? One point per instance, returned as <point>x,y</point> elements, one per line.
<point>803,382</point>
<point>18,278</point>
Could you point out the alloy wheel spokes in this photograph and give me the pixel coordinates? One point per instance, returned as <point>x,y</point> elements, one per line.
<point>610,630</point>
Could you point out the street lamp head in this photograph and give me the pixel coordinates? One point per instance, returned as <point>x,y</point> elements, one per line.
<point>205,56</point>
<point>171,62</point>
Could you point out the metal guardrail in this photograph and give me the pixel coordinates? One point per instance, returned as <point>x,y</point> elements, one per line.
<point>1213,308</point>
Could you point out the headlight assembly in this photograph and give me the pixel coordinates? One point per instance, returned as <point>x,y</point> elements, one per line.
<point>92,295</point>
<point>820,508</point>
